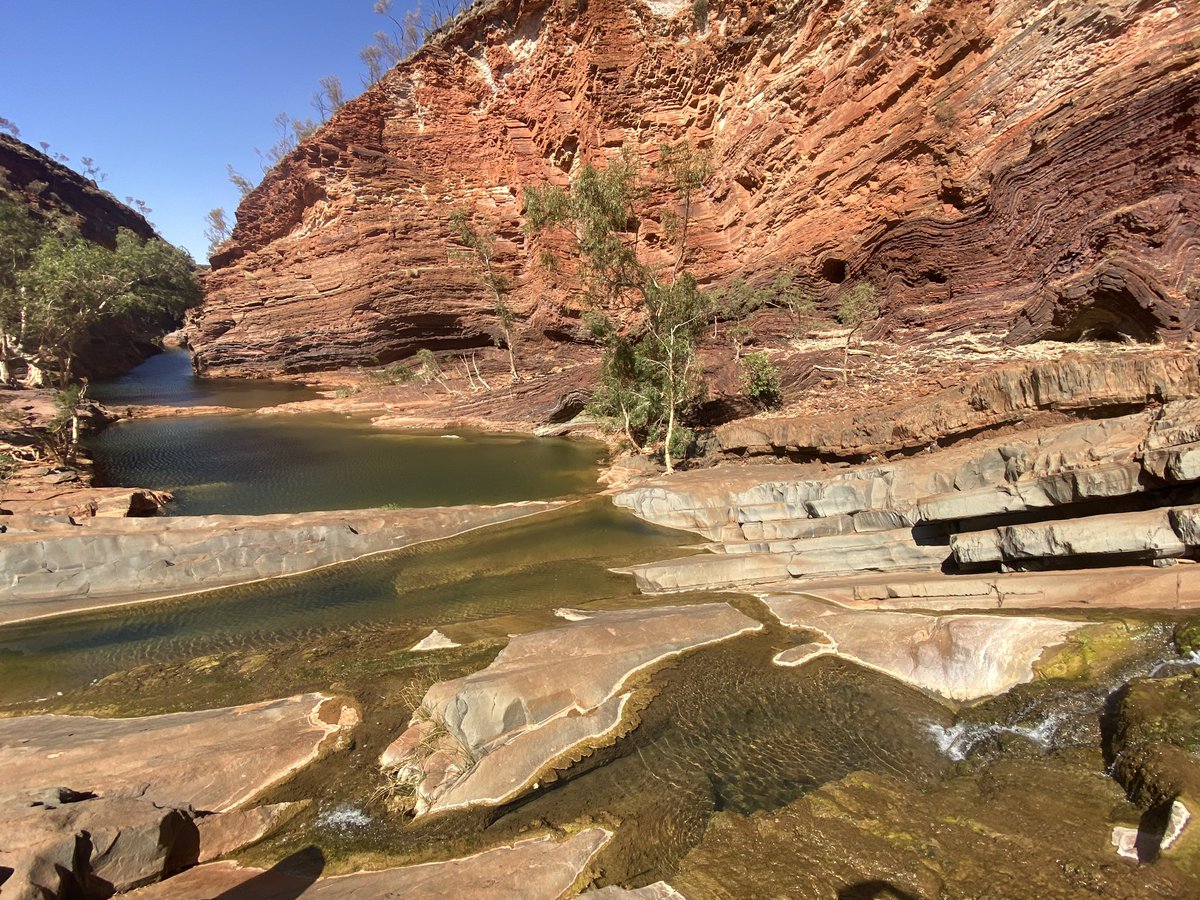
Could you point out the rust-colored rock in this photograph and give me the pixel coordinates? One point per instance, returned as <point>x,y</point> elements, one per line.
<point>1015,168</point>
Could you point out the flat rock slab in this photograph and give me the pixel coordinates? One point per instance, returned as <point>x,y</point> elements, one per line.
<point>1147,534</point>
<point>962,657</point>
<point>660,890</point>
<point>108,562</point>
<point>129,801</point>
<point>537,868</point>
<point>485,738</point>
<point>212,759</point>
<point>1119,587</point>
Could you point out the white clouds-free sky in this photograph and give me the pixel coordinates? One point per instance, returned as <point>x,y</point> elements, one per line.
<point>162,95</point>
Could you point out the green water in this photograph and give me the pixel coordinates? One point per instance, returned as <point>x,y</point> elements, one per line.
<point>167,380</point>
<point>256,464</point>
<point>531,566</point>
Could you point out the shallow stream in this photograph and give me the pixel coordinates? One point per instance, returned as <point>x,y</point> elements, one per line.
<point>722,731</point>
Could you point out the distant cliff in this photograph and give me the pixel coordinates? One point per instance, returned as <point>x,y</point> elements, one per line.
<point>1015,167</point>
<point>49,189</point>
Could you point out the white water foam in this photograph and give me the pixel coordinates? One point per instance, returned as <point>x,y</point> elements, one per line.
<point>960,739</point>
<point>343,818</point>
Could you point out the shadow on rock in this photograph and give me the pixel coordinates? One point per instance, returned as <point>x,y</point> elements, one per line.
<point>288,879</point>
<point>874,890</point>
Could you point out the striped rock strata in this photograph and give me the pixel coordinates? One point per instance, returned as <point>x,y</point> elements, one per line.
<point>1017,168</point>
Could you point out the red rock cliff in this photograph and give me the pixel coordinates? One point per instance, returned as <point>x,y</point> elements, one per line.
<point>1021,168</point>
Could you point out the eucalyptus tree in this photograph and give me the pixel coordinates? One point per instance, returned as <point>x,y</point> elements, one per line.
<point>71,285</point>
<point>481,249</point>
<point>650,374</point>
<point>856,309</point>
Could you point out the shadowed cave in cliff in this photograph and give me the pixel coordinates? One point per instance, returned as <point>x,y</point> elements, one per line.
<point>1111,311</point>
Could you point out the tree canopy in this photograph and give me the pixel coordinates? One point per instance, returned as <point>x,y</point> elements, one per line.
<point>650,375</point>
<point>56,288</point>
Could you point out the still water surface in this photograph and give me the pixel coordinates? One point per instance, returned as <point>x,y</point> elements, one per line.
<point>269,463</point>
<point>257,464</point>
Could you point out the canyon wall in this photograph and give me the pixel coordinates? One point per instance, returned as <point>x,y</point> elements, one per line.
<point>49,188</point>
<point>1022,169</point>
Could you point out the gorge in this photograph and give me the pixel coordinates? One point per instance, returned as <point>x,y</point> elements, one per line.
<point>317,617</point>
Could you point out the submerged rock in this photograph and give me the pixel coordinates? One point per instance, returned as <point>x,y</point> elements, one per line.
<point>485,738</point>
<point>1029,828</point>
<point>962,657</point>
<point>434,641</point>
<point>107,562</point>
<point>1154,746</point>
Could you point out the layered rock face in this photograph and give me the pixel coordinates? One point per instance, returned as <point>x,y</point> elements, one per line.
<point>1017,168</point>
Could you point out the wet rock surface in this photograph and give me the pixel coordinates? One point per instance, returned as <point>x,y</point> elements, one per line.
<point>91,806</point>
<point>484,738</point>
<point>974,835</point>
<point>537,867</point>
<point>1153,742</point>
<point>57,568</point>
<point>961,657</point>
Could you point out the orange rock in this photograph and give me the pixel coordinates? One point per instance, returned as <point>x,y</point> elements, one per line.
<point>1018,169</point>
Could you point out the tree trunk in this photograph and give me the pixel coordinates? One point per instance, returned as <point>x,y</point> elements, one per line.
<point>846,356</point>
<point>35,375</point>
<point>667,443</point>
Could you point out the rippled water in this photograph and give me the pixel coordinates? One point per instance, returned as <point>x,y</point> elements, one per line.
<point>537,564</point>
<point>725,732</point>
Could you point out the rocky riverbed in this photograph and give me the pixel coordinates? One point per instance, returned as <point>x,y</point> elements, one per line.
<point>915,646</point>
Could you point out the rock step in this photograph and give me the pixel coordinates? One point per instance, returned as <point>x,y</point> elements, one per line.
<point>101,563</point>
<point>484,739</point>
<point>1150,535</point>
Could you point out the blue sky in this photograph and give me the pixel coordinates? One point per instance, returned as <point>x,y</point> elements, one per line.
<point>162,94</point>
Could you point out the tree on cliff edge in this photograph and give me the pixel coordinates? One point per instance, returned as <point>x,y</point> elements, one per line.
<point>481,247</point>
<point>650,375</point>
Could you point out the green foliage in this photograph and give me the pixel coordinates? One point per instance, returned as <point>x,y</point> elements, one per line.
<point>761,379</point>
<point>700,10</point>
<point>56,288</point>
<point>396,374</point>
<point>217,229</point>
<point>427,366</point>
<point>650,376</point>
<point>858,306</point>
<point>481,247</point>
<point>738,300</point>
<point>407,34</point>
<point>60,437</point>
<point>243,184</point>
<point>599,212</point>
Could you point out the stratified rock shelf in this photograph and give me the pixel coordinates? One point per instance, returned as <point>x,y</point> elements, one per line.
<point>1019,169</point>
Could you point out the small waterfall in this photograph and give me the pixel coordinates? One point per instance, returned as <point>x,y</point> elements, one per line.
<point>961,739</point>
<point>1061,717</point>
<point>343,818</point>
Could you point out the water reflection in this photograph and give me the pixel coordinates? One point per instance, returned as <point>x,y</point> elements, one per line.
<point>166,379</point>
<point>256,465</point>
<point>537,564</point>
